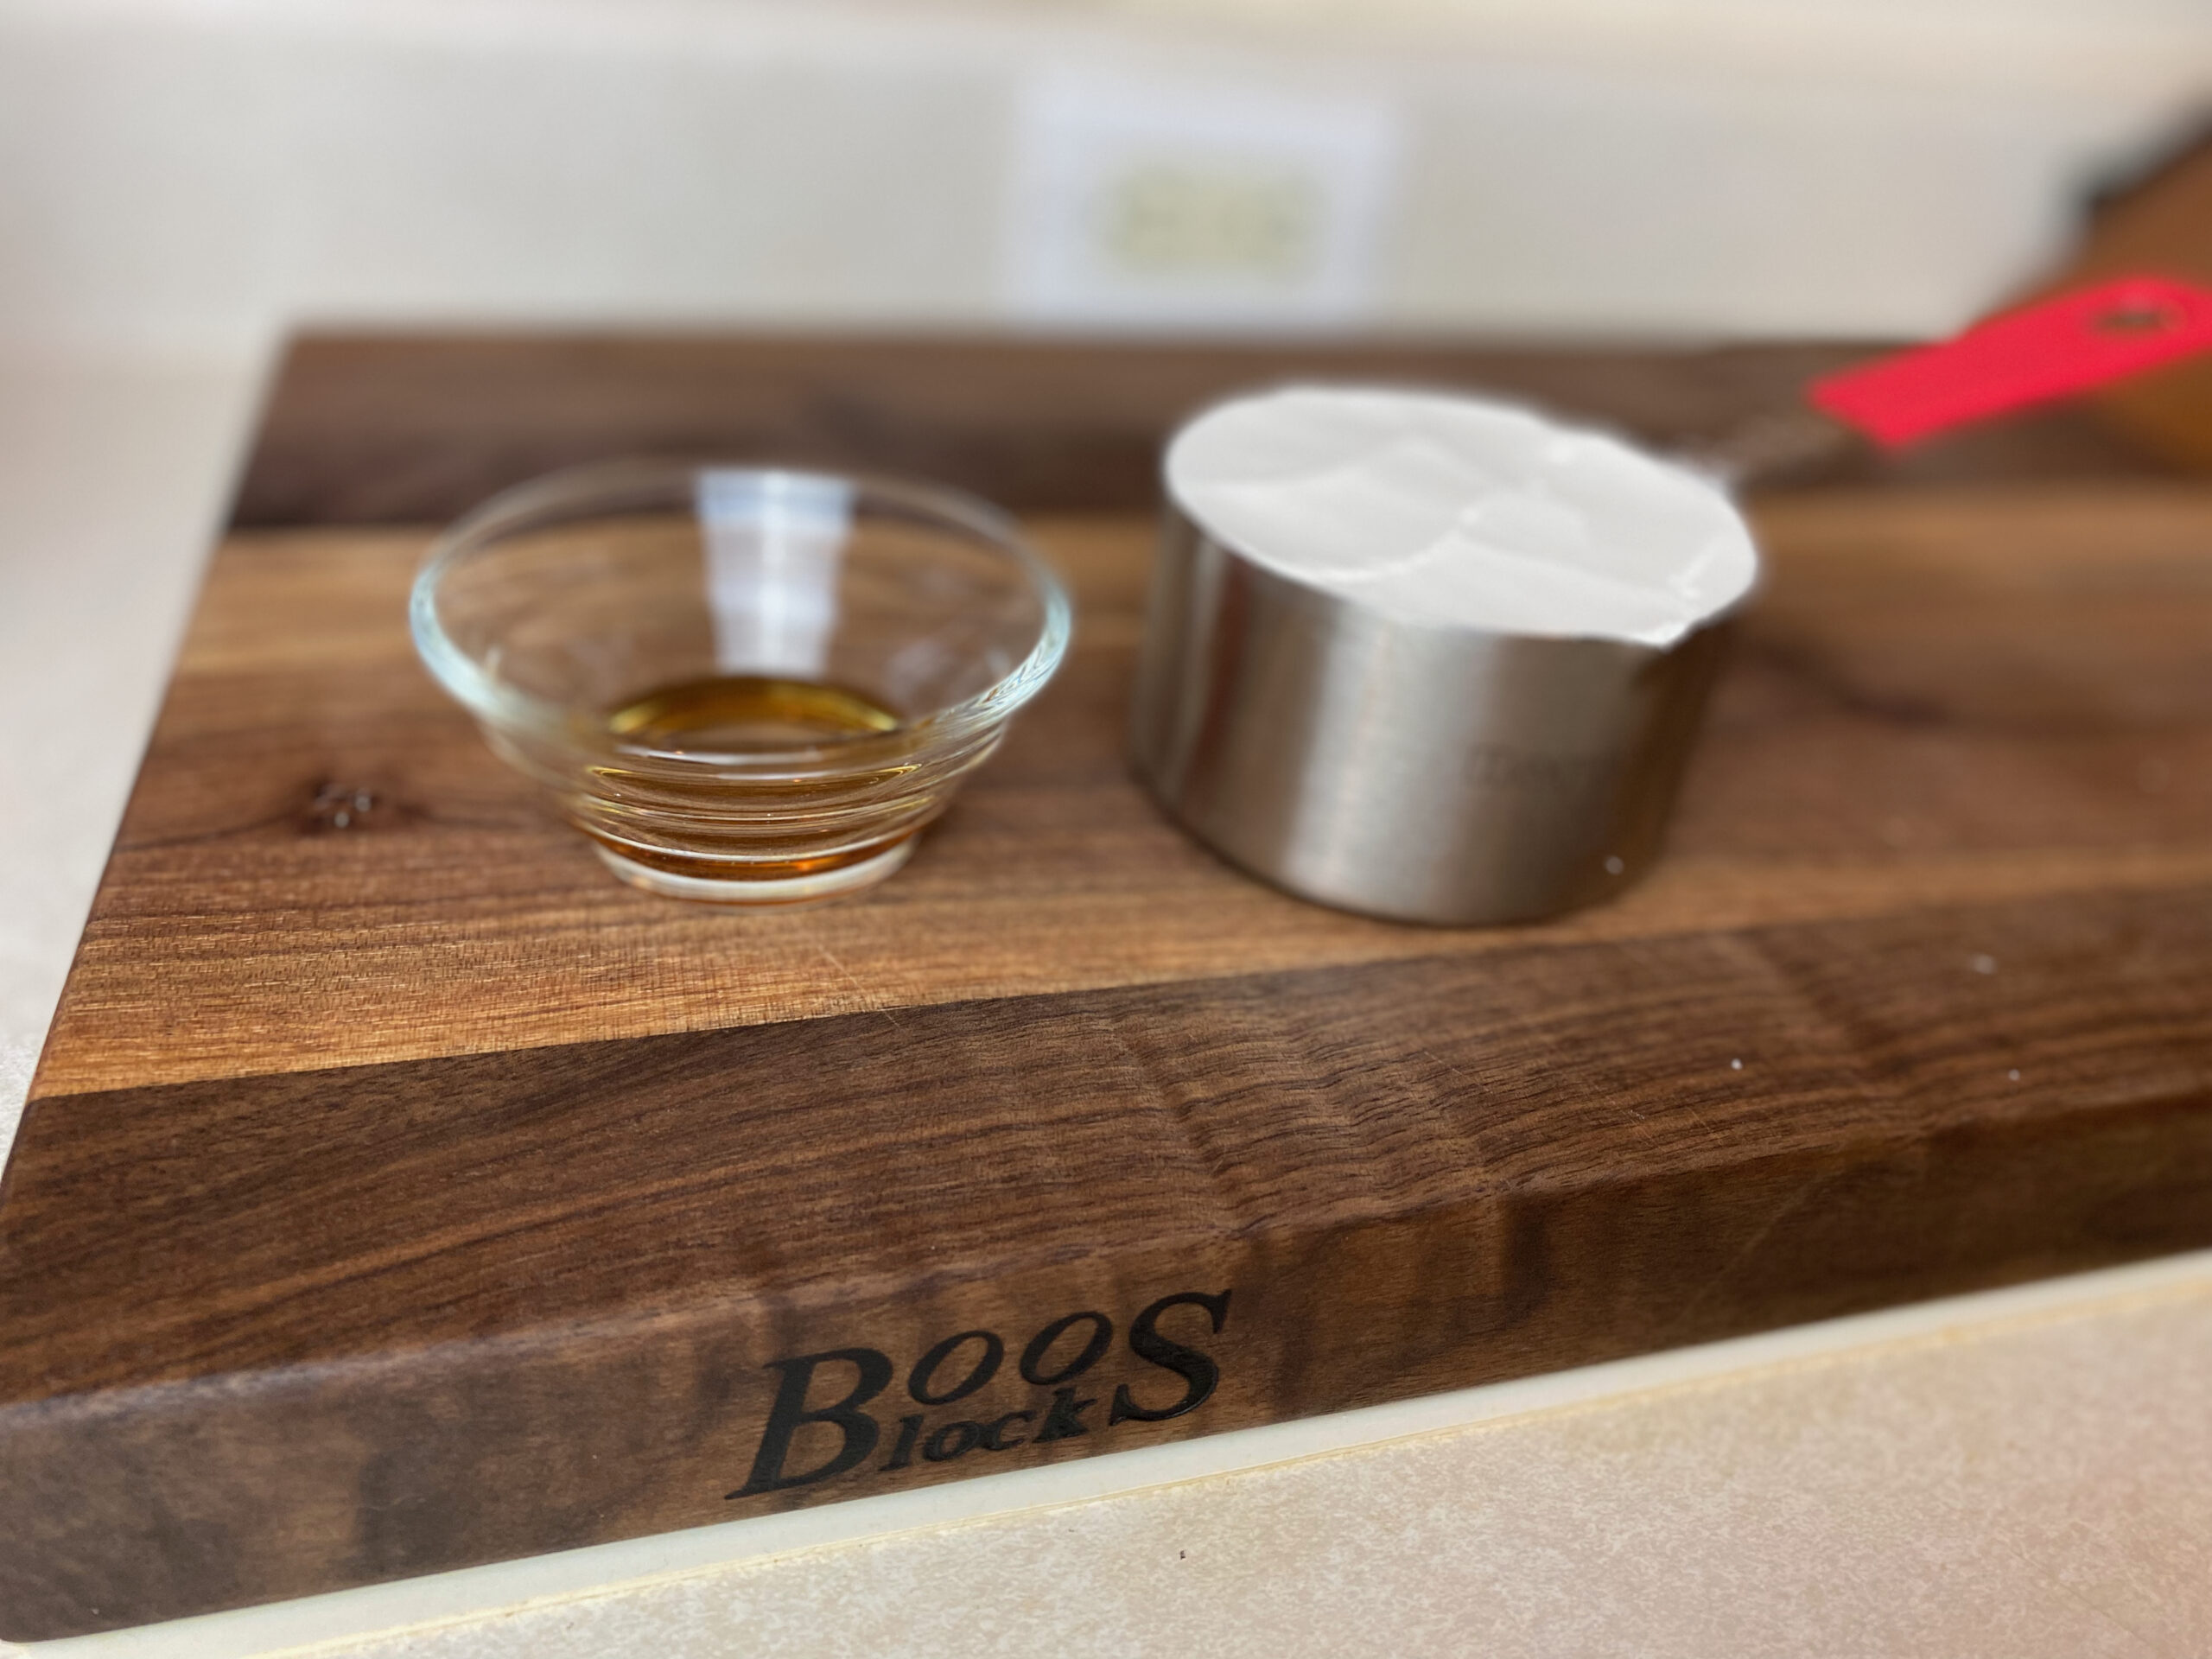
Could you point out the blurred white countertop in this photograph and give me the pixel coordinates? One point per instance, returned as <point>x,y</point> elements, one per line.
<point>114,474</point>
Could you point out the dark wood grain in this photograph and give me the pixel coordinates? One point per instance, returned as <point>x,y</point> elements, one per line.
<point>538,1293</point>
<point>405,1193</point>
<point>1942,698</point>
<point>406,429</point>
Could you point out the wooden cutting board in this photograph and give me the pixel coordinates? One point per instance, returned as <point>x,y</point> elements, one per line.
<point>398,1192</point>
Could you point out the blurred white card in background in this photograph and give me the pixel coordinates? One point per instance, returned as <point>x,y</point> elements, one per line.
<point>1141,203</point>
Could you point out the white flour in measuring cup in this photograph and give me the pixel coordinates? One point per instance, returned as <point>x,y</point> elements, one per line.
<point>1456,511</point>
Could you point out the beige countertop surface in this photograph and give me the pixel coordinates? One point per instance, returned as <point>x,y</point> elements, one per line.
<point>2021,1472</point>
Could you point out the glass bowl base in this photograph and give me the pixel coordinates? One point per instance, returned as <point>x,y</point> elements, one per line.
<point>782,891</point>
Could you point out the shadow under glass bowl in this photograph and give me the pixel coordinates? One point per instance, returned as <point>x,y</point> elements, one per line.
<point>745,685</point>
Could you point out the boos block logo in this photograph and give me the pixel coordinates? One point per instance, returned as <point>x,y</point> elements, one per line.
<point>1054,1362</point>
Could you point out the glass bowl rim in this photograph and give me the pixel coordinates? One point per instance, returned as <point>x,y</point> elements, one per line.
<point>614,486</point>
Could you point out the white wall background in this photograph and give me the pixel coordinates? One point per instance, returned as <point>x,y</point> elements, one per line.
<point>195,174</point>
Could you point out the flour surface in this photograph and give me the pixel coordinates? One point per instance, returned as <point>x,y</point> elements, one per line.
<point>1457,511</point>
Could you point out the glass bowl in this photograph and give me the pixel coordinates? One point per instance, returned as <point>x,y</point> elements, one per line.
<point>744,685</point>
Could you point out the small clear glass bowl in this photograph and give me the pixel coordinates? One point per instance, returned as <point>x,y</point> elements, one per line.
<point>745,685</point>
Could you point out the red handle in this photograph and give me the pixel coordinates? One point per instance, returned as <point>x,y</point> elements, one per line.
<point>2051,349</point>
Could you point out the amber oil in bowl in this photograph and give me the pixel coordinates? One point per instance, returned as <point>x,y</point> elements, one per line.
<point>745,686</point>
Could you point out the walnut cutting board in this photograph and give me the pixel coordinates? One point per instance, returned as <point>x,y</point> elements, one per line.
<point>398,1192</point>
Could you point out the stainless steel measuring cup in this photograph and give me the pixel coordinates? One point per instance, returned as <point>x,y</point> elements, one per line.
<point>1416,771</point>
